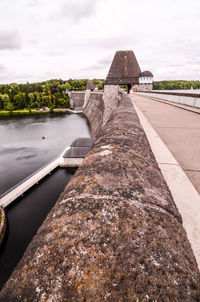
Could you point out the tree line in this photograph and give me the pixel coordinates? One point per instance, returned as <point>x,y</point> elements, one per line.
<point>176,85</point>
<point>51,94</point>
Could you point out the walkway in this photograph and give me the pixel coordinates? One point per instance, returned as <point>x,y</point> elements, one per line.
<point>180,131</point>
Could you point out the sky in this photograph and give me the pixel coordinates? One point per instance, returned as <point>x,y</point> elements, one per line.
<point>62,39</point>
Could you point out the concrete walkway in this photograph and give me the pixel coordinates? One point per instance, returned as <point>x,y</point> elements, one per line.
<point>180,132</point>
<point>186,107</point>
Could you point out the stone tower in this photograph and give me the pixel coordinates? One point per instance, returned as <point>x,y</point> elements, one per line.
<point>124,69</point>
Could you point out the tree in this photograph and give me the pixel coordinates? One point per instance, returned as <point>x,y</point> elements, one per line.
<point>9,106</point>
<point>5,99</point>
<point>20,100</point>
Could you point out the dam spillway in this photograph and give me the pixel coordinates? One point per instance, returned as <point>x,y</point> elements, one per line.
<point>115,232</point>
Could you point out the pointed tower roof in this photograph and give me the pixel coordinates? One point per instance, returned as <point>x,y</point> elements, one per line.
<point>90,85</point>
<point>124,69</point>
<point>147,73</point>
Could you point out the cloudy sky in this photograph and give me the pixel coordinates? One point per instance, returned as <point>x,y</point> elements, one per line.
<point>43,39</point>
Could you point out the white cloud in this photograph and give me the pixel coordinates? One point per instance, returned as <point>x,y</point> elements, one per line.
<point>2,68</point>
<point>78,38</point>
<point>76,10</point>
<point>10,40</point>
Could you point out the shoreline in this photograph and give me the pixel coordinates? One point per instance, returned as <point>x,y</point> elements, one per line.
<point>19,113</point>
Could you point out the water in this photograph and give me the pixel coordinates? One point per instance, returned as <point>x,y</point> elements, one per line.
<point>22,151</point>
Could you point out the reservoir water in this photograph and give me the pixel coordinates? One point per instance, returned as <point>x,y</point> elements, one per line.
<point>27,143</point>
<point>22,152</point>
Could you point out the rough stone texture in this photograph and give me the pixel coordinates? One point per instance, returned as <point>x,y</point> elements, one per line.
<point>77,99</point>
<point>111,99</point>
<point>115,233</point>
<point>94,112</point>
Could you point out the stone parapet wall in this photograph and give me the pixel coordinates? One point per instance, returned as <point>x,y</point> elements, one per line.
<point>114,234</point>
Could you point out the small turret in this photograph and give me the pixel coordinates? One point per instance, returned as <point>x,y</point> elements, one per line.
<point>146,80</point>
<point>90,86</point>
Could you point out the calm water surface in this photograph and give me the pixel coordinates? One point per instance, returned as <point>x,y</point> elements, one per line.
<point>22,151</point>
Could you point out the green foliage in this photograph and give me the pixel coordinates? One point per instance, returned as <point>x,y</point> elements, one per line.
<point>176,85</point>
<point>52,109</point>
<point>9,106</point>
<point>43,94</point>
<point>124,86</point>
<point>99,83</point>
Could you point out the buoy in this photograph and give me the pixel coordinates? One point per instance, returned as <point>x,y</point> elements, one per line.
<point>43,137</point>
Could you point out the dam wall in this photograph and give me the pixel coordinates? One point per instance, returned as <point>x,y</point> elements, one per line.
<point>115,233</point>
<point>100,107</point>
<point>77,99</point>
<point>188,99</point>
<point>94,113</point>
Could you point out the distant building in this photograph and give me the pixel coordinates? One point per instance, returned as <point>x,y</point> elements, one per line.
<point>146,81</point>
<point>90,86</point>
<point>125,70</point>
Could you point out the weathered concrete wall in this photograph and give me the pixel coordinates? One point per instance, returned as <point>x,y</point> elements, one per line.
<point>115,233</point>
<point>94,112</point>
<point>77,99</point>
<point>180,98</point>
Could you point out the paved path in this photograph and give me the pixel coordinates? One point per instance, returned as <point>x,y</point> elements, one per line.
<point>185,195</point>
<point>180,131</point>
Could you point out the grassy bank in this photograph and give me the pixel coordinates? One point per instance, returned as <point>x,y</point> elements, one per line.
<point>4,113</point>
